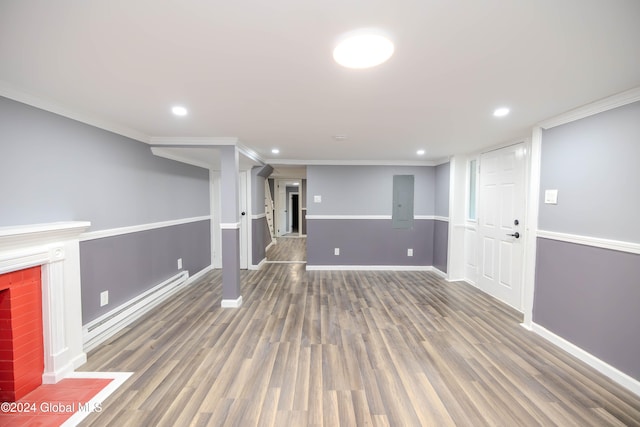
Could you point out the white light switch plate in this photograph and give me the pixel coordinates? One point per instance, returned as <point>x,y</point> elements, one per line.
<point>551,197</point>
<point>317,199</point>
<point>104,298</point>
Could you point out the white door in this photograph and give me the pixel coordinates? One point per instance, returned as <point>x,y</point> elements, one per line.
<point>244,226</point>
<point>501,223</point>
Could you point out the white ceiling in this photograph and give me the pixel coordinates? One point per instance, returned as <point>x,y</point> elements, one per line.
<point>262,71</point>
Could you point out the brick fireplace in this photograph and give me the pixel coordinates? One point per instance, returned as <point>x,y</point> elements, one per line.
<point>40,306</point>
<point>21,347</point>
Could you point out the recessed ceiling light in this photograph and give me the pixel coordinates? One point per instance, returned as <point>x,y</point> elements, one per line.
<point>179,111</point>
<point>420,152</point>
<point>275,151</point>
<point>501,112</point>
<point>363,49</point>
<point>339,137</point>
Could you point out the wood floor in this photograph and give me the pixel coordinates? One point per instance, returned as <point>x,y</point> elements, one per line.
<point>288,249</point>
<point>324,348</point>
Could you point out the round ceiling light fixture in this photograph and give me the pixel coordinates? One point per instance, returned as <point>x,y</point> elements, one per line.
<point>363,49</point>
<point>501,112</point>
<point>179,111</point>
<point>275,151</point>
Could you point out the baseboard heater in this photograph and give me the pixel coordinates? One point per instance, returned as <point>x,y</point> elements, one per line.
<point>104,327</point>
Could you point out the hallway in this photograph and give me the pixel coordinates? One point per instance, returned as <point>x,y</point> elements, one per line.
<point>288,249</point>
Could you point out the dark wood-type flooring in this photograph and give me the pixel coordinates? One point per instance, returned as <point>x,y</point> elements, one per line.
<point>357,348</point>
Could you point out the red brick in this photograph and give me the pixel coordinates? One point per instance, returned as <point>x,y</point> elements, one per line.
<point>6,376</point>
<point>6,366</point>
<point>6,354</point>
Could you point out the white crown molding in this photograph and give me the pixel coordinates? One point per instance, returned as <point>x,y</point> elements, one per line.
<point>604,368</point>
<point>605,104</point>
<point>9,91</point>
<point>163,152</point>
<point>299,162</point>
<point>616,245</point>
<point>179,141</point>
<point>92,235</point>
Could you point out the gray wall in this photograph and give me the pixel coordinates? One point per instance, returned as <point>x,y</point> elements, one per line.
<point>260,236</point>
<point>129,264</point>
<point>589,296</point>
<point>367,190</point>
<point>257,191</point>
<point>57,169</point>
<point>368,242</point>
<point>442,190</point>
<point>441,228</point>
<point>593,163</point>
<point>440,245</point>
<point>586,295</point>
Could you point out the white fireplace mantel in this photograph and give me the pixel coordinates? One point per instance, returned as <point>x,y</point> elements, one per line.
<point>55,247</point>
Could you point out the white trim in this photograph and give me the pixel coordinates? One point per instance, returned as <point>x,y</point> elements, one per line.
<point>231,303</point>
<point>371,267</point>
<point>273,242</point>
<point>259,265</point>
<point>616,245</point>
<point>440,273</point>
<point>192,141</point>
<point>530,225</point>
<point>8,91</point>
<point>306,162</point>
<point>348,216</point>
<point>92,235</point>
<point>258,216</point>
<point>95,403</point>
<point>171,155</point>
<point>604,368</point>
<point>593,108</point>
<point>384,217</point>
<point>104,327</point>
<point>229,225</point>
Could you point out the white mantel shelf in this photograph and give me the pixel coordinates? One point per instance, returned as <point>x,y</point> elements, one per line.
<point>56,248</point>
<point>22,235</point>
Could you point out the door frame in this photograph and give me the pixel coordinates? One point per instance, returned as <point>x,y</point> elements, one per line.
<point>461,228</point>
<point>480,253</point>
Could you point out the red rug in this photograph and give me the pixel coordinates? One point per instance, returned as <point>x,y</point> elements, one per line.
<point>51,405</point>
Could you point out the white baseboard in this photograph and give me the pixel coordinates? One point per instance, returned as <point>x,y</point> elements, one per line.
<point>604,368</point>
<point>231,303</point>
<point>104,327</point>
<point>259,265</point>
<point>371,267</point>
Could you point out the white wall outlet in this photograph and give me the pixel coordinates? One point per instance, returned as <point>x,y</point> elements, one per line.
<point>104,298</point>
<point>409,252</point>
<point>179,263</point>
<point>336,251</point>
<point>317,199</point>
<point>551,197</point>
